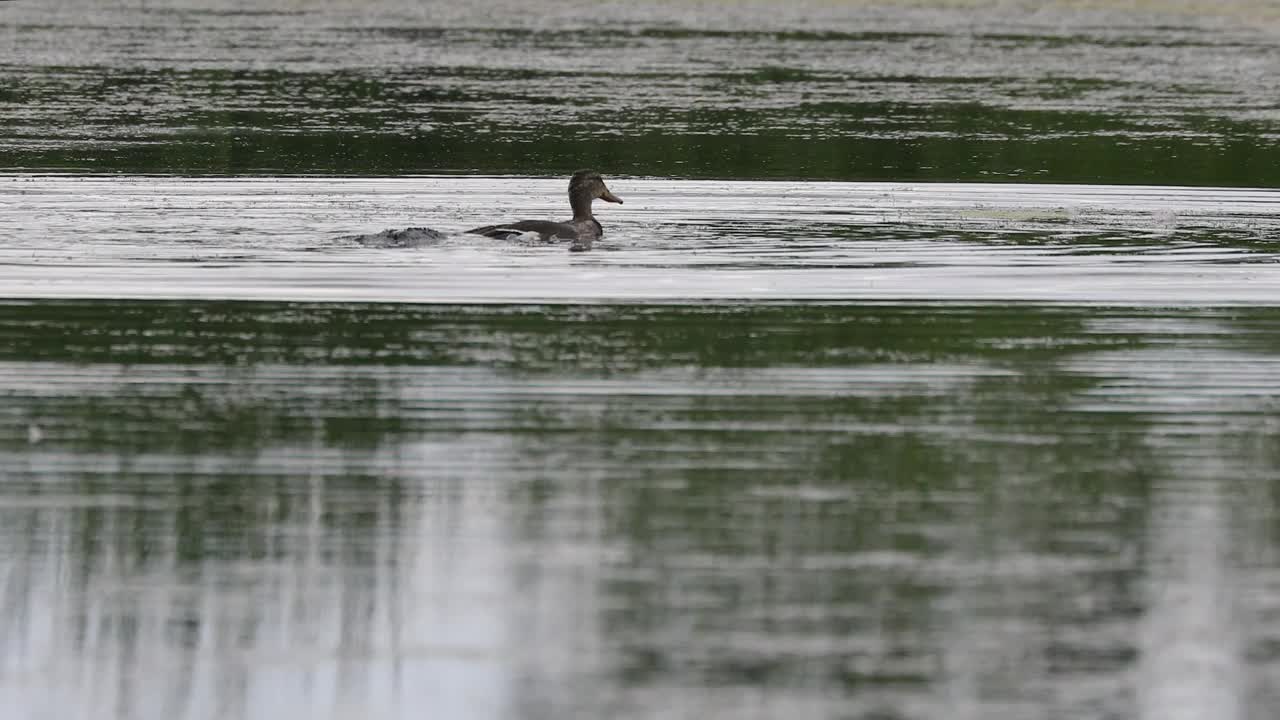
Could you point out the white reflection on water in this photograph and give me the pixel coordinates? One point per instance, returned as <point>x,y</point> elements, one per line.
<point>1192,663</point>
<point>278,238</point>
<point>401,624</point>
<point>1193,637</point>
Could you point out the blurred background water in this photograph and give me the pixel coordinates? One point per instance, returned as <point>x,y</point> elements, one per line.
<point>1167,91</point>
<point>927,371</point>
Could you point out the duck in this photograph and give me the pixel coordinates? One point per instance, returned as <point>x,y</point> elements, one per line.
<point>583,230</point>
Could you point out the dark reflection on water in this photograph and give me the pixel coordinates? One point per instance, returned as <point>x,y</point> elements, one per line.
<point>941,91</point>
<point>907,511</point>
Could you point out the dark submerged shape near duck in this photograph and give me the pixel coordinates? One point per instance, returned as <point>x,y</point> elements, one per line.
<point>583,229</point>
<point>407,238</point>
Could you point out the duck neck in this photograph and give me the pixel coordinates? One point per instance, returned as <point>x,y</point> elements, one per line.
<point>581,205</point>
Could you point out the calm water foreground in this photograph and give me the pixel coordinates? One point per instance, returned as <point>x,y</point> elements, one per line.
<point>265,510</point>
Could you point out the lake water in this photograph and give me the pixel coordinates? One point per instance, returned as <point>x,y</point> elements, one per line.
<point>928,370</point>
<point>671,241</point>
<point>1162,92</point>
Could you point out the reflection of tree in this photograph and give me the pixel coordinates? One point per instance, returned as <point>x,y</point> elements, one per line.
<point>818,540</point>
<point>493,120</point>
<point>208,485</point>
<point>825,499</point>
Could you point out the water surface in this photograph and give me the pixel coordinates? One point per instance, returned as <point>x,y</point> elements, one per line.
<point>928,370</point>
<point>285,238</point>
<point>218,509</point>
<point>1061,91</point>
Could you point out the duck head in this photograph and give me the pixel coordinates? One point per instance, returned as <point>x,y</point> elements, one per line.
<point>585,186</point>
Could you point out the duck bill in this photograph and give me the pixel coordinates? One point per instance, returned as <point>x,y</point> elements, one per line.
<point>610,197</point>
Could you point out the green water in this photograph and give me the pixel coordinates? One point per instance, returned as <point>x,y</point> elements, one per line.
<point>630,511</point>
<point>830,90</point>
<point>982,425</point>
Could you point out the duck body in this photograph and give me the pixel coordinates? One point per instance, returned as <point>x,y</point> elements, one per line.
<point>582,231</point>
<point>546,230</point>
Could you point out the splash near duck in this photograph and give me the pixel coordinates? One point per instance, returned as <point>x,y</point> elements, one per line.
<point>407,238</point>
<point>582,231</point>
